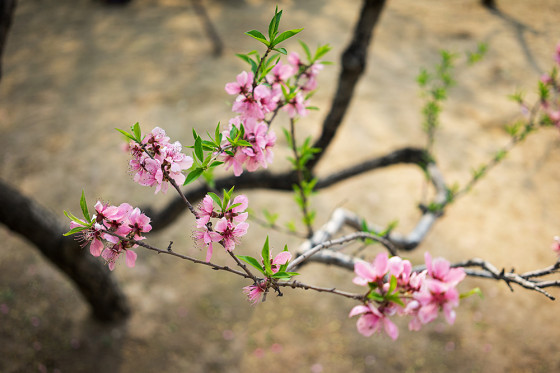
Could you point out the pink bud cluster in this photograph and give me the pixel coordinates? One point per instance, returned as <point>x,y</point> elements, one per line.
<point>229,228</point>
<point>115,224</point>
<point>417,294</point>
<point>255,100</point>
<point>155,161</point>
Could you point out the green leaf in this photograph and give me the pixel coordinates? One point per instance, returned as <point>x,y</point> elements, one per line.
<point>84,207</point>
<point>376,296</point>
<point>137,132</point>
<point>306,50</point>
<point>286,35</point>
<point>321,51</point>
<point>474,291</point>
<point>281,50</point>
<point>266,257</point>
<point>257,35</point>
<point>193,175</point>
<point>216,199</point>
<point>70,216</point>
<point>252,261</point>
<point>233,206</point>
<point>270,218</point>
<point>274,23</point>
<point>128,135</point>
<point>216,163</point>
<point>284,275</point>
<point>75,230</point>
<point>198,148</point>
<point>392,285</point>
<point>243,143</point>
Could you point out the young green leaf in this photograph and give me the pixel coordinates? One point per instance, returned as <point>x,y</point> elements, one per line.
<point>137,132</point>
<point>128,135</point>
<point>286,35</point>
<point>266,257</point>
<point>252,261</point>
<point>84,207</point>
<point>198,148</point>
<point>216,199</point>
<point>75,230</point>
<point>284,275</point>
<point>274,23</point>
<point>257,35</point>
<point>193,175</point>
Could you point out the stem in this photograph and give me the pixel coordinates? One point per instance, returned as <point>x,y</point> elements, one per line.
<point>296,284</point>
<point>300,176</point>
<point>242,265</point>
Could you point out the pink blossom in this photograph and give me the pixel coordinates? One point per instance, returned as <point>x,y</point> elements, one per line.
<point>158,161</point>
<point>259,154</point>
<point>279,74</point>
<point>440,269</point>
<point>205,211</point>
<point>557,56</point>
<point>111,254</point>
<point>433,296</point>
<point>230,233</point>
<point>254,292</point>
<point>207,237</point>
<point>279,260</point>
<point>242,85</point>
<point>138,223</point>
<point>556,245</point>
<point>296,106</point>
<point>91,236</point>
<point>237,213</point>
<point>371,272</point>
<point>295,61</point>
<point>401,269</point>
<point>371,321</point>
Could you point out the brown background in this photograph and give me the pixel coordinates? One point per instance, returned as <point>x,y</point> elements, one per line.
<point>74,70</point>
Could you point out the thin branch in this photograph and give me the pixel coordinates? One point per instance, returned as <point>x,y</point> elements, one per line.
<point>326,244</point>
<point>300,177</point>
<point>297,284</point>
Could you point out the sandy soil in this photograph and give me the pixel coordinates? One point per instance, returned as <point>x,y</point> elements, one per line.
<point>74,70</point>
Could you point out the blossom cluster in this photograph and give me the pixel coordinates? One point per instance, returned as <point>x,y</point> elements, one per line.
<point>255,291</point>
<point>155,161</point>
<point>282,88</point>
<point>229,227</point>
<point>115,225</point>
<point>396,290</point>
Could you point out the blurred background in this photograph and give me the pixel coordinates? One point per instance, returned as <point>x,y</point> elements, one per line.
<point>76,69</point>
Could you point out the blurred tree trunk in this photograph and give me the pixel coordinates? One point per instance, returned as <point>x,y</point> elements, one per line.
<point>7,8</point>
<point>40,227</point>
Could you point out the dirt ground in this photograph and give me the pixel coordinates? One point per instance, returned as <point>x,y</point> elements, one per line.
<point>75,70</point>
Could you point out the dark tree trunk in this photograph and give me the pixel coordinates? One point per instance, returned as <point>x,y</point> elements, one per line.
<point>353,63</point>
<point>7,8</point>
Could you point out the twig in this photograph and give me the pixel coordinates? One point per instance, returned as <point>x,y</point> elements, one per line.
<point>326,244</point>
<point>297,284</point>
